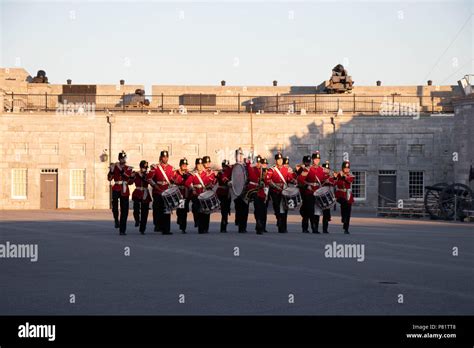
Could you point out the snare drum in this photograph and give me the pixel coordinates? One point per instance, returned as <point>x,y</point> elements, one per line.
<point>209,202</point>
<point>172,197</point>
<point>324,197</point>
<point>291,198</point>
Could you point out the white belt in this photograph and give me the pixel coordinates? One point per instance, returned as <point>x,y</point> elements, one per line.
<point>313,184</point>
<point>118,182</point>
<point>141,188</point>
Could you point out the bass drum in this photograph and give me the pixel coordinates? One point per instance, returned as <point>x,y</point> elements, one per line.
<point>239,178</point>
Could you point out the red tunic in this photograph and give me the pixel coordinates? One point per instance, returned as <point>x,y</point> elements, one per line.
<point>223,178</point>
<point>194,184</point>
<point>157,180</point>
<point>315,178</point>
<point>141,192</point>
<point>122,178</point>
<point>343,187</point>
<point>301,178</point>
<point>275,181</point>
<point>258,180</point>
<point>179,179</point>
<point>330,179</point>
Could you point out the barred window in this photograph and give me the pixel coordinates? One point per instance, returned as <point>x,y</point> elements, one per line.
<point>415,184</point>
<point>358,186</point>
<point>19,183</point>
<point>77,184</point>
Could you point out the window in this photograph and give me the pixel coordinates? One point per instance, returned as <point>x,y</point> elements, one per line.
<point>415,185</point>
<point>416,149</point>
<point>19,183</point>
<point>78,184</point>
<point>387,149</point>
<point>358,186</point>
<point>360,150</point>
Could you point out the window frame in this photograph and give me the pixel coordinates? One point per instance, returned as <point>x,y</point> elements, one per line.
<point>364,198</point>
<point>411,185</point>
<point>71,196</point>
<point>17,197</point>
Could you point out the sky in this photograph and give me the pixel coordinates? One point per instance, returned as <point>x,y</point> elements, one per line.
<point>245,43</point>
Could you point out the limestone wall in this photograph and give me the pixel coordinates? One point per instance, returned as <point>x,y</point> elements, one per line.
<point>38,141</point>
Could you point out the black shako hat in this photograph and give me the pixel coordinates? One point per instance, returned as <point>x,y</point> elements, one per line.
<point>122,155</point>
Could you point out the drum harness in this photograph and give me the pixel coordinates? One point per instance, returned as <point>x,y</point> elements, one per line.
<point>285,185</point>
<point>122,182</point>
<point>143,188</point>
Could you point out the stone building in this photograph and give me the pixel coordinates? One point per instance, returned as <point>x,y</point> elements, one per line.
<point>398,139</point>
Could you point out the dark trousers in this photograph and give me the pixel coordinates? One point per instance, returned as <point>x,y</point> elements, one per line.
<point>202,219</point>
<point>182,214</point>
<point>225,211</point>
<point>124,206</point>
<point>195,209</point>
<point>308,212</point>
<point>260,212</point>
<point>281,217</point>
<point>305,217</point>
<point>161,220</point>
<point>140,214</point>
<point>241,213</point>
<point>346,208</point>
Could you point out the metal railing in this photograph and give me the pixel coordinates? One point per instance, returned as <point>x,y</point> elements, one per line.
<point>279,103</point>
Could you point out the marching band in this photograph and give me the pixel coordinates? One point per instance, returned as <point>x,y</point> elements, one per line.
<point>312,188</point>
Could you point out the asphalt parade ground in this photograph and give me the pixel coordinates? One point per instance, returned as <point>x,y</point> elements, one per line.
<point>83,266</point>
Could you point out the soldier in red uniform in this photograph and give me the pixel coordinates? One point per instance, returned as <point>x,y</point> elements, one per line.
<point>330,181</point>
<point>279,178</point>
<point>314,179</point>
<point>264,162</point>
<point>201,180</point>
<point>257,191</point>
<point>180,177</point>
<point>160,178</point>
<point>302,172</point>
<point>240,202</point>
<point>223,193</point>
<point>344,194</point>
<point>121,174</point>
<point>141,197</point>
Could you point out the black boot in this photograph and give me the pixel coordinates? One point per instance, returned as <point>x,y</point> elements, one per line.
<point>137,223</point>
<point>314,227</point>
<point>223,227</point>
<point>117,224</point>
<point>304,225</point>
